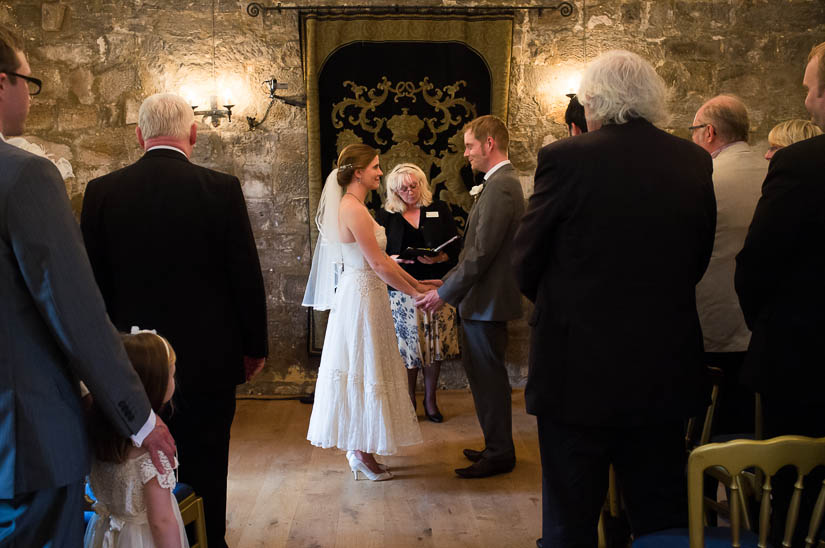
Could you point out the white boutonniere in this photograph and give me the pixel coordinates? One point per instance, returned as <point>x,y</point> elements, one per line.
<point>476,190</point>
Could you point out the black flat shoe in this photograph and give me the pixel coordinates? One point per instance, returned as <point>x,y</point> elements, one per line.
<point>435,417</point>
<point>486,468</point>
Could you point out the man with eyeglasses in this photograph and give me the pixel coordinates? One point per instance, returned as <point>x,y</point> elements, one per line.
<point>721,127</point>
<point>54,331</point>
<point>779,280</point>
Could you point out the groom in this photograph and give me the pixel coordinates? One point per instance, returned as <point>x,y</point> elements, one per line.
<point>483,288</point>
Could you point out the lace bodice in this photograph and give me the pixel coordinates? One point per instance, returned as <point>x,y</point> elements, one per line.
<point>118,488</point>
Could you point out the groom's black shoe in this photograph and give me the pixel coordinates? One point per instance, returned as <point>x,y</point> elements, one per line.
<point>485,468</point>
<point>539,543</point>
<point>473,455</point>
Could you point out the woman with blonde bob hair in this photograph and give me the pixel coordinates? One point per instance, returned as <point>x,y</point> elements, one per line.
<point>414,221</point>
<point>789,132</point>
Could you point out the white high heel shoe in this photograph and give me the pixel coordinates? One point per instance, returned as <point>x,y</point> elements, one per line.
<point>382,466</point>
<point>357,467</point>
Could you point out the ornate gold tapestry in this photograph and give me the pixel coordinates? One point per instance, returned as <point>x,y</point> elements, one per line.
<point>406,85</point>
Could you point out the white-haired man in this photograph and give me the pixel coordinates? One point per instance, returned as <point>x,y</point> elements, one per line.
<point>721,127</point>
<point>779,279</point>
<point>172,249</point>
<point>617,233</point>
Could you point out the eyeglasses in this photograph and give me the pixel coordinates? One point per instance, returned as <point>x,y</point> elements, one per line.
<point>408,188</point>
<point>700,126</point>
<point>34,83</point>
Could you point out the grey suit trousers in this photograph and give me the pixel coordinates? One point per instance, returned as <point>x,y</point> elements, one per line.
<point>483,349</point>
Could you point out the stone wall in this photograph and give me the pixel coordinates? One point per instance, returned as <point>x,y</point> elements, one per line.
<point>99,58</point>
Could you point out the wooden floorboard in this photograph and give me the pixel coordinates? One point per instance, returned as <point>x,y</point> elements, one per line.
<point>285,492</point>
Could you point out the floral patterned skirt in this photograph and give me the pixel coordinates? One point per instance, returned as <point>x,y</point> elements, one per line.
<point>423,337</point>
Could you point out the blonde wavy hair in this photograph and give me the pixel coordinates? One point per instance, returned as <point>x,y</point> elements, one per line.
<point>406,173</point>
<point>789,132</point>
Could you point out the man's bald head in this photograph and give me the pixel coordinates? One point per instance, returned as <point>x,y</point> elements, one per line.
<point>720,121</point>
<point>729,116</point>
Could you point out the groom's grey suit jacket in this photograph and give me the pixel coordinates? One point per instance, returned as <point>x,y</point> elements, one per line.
<point>53,330</point>
<point>483,284</point>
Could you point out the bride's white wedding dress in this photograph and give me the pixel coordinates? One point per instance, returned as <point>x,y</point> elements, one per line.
<point>361,397</point>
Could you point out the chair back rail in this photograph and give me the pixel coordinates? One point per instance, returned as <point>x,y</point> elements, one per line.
<point>768,456</point>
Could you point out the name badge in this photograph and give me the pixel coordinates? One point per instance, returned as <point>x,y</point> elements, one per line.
<point>432,214</point>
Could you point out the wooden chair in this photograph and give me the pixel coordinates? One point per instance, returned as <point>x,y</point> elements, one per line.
<point>735,457</point>
<point>191,512</point>
<point>611,509</point>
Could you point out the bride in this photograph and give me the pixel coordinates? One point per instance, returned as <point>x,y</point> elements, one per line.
<point>361,400</point>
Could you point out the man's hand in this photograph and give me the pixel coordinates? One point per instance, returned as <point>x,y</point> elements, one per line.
<point>158,441</point>
<point>252,366</point>
<point>430,301</point>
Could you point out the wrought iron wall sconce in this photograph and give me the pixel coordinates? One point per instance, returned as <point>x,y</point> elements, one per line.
<point>214,112</point>
<point>272,87</point>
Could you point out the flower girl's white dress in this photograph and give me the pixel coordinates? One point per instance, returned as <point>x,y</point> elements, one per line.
<point>361,396</point>
<point>120,519</point>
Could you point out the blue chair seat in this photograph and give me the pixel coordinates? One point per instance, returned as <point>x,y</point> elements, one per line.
<point>715,537</point>
<point>183,490</point>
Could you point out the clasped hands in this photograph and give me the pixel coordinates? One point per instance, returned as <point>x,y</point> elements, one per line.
<point>429,300</point>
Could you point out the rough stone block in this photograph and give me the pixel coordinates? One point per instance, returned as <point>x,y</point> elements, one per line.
<point>52,16</point>
<point>131,107</point>
<point>114,83</point>
<point>80,86</point>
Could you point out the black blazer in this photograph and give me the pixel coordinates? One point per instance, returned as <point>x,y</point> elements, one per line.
<point>172,249</point>
<point>780,277</point>
<point>436,231</point>
<point>618,232</point>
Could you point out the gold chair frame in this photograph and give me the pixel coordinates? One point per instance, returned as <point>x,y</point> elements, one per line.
<point>768,456</point>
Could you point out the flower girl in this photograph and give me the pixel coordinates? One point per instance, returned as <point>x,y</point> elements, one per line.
<point>135,506</point>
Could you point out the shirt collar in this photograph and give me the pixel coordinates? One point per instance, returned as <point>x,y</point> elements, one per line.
<point>495,168</point>
<point>168,148</point>
<point>716,152</point>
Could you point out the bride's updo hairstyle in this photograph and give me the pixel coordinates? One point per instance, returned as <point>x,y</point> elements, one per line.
<point>353,157</point>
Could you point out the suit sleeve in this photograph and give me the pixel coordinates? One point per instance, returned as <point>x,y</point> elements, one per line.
<point>245,278</point>
<point>770,243</point>
<point>54,265</point>
<point>533,240</point>
<point>90,228</point>
<point>494,216</point>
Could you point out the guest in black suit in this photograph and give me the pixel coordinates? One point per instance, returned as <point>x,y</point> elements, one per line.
<point>779,280</point>
<point>617,233</point>
<point>413,219</point>
<point>172,249</point>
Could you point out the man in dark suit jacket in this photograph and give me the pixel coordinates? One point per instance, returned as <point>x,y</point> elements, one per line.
<point>172,249</point>
<point>53,332</point>
<point>779,280</point>
<point>617,233</point>
<point>484,290</point>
